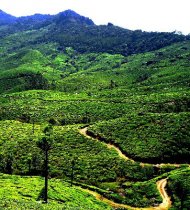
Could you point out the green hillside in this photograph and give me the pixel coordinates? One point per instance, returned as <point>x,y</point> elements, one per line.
<point>118,102</point>
<point>149,137</point>
<point>17,192</point>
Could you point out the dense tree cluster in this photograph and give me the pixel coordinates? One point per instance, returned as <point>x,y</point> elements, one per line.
<point>69,29</point>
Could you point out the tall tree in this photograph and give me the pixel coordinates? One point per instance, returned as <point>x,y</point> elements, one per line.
<point>46,144</point>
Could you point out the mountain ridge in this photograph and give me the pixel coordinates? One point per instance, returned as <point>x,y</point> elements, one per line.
<point>69,29</point>
<point>6,18</point>
<point>63,14</point>
<point>131,88</point>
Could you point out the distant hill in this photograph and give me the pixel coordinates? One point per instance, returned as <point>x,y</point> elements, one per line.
<point>6,18</point>
<point>69,29</point>
<point>71,17</point>
<point>128,91</point>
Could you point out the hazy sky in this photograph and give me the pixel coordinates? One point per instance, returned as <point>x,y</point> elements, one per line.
<point>148,15</point>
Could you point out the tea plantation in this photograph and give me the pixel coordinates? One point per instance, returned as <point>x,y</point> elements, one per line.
<point>132,106</point>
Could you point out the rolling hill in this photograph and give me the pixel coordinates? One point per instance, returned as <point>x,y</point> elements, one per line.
<point>118,101</point>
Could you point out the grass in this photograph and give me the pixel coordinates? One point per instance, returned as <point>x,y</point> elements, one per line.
<point>18,192</point>
<point>91,157</point>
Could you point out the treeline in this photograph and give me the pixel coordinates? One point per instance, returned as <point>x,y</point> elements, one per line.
<point>69,29</point>
<point>109,38</point>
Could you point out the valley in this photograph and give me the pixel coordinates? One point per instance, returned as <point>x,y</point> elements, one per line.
<point>118,104</point>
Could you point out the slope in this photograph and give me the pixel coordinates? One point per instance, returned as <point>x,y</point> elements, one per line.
<point>143,97</point>
<point>18,192</point>
<point>69,29</point>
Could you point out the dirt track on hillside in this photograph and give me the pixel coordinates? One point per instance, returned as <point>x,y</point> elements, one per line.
<point>161,184</point>
<point>165,205</point>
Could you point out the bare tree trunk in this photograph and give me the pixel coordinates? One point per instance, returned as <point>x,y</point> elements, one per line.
<point>46,178</point>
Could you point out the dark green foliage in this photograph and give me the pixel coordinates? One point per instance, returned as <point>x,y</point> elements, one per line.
<point>46,144</point>
<point>149,137</point>
<point>94,162</point>
<point>52,121</point>
<point>179,189</point>
<point>69,29</point>
<point>135,194</point>
<point>67,71</point>
<point>25,81</point>
<point>112,39</point>
<point>69,17</point>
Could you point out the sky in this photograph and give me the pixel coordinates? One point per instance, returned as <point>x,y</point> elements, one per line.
<point>147,15</point>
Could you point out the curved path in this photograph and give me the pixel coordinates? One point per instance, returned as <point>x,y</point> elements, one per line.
<point>161,184</point>
<point>166,202</point>
<point>165,205</point>
<point>83,131</point>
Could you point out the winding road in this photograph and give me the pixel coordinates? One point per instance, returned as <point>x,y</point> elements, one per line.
<point>161,184</point>
<point>166,202</point>
<point>83,131</point>
<point>165,205</point>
